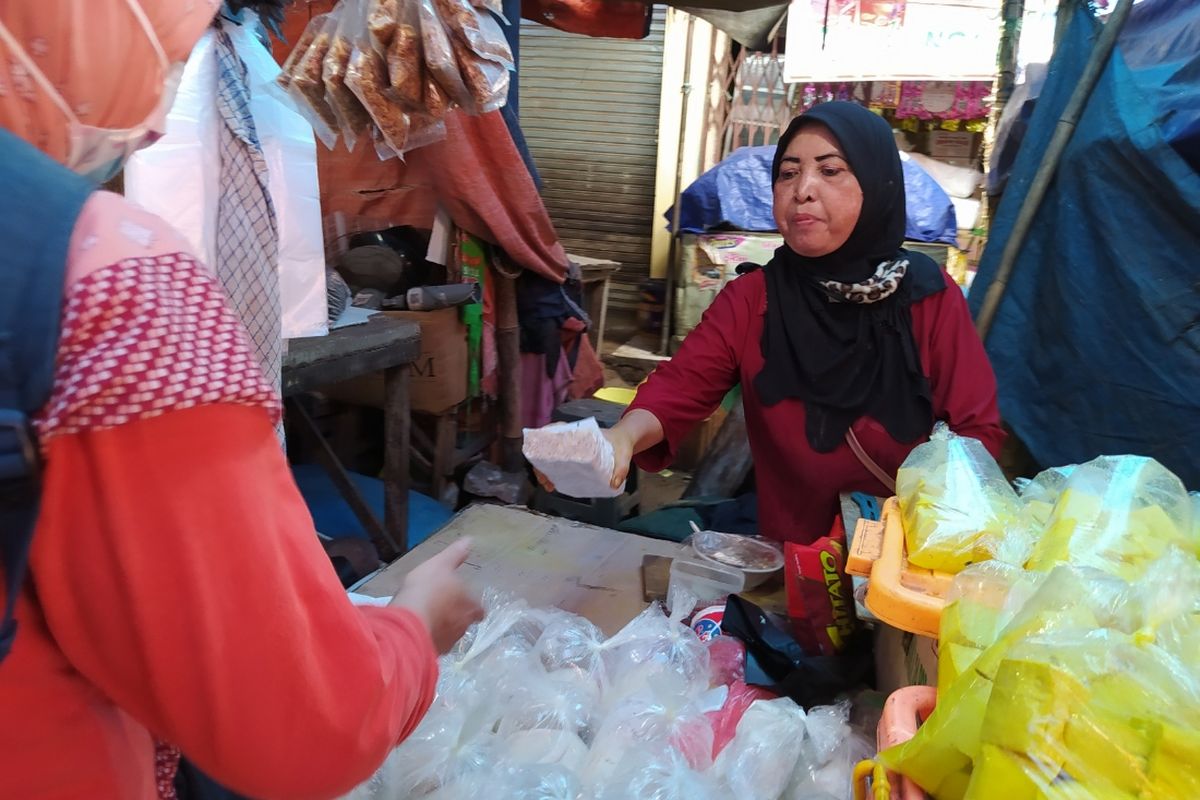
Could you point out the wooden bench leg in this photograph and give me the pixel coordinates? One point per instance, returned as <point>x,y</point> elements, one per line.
<point>397,443</point>
<point>345,486</point>
<point>443,450</point>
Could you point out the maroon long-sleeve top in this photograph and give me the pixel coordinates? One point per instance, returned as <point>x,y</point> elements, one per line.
<point>798,488</point>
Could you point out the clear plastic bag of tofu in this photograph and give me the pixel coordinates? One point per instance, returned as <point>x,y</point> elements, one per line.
<point>1118,514</point>
<point>656,773</point>
<point>831,749</point>
<point>957,506</point>
<point>655,644</point>
<point>758,763</point>
<point>560,700</point>
<point>576,457</point>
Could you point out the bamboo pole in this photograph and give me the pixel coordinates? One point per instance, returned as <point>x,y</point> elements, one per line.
<point>673,253</point>
<point>1065,129</point>
<point>508,352</point>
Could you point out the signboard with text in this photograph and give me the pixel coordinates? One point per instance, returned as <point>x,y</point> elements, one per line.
<point>865,40</point>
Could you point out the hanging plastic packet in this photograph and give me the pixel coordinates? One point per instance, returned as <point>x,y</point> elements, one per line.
<point>405,58</point>
<point>461,21</point>
<point>494,6</point>
<point>440,59</point>
<point>436,101</point>
<point>353,118</point>
<point>367,78</point>
<point>492,44</point>
<point>425,130</point>
<point>306,83</point>
<point>485,79</point>
<point>383,150</point>
<point>292,62</point>
<point>383,17</point>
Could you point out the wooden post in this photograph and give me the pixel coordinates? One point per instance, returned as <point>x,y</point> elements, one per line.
<point>508,351</point>
<point>380,534</point>
<point>398,441</point>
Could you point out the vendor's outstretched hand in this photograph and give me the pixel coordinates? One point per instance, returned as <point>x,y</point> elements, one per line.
<point>622,446</point>
<point>435,593</point>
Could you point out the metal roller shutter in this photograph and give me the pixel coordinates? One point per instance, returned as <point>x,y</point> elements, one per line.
<point>589,111</point>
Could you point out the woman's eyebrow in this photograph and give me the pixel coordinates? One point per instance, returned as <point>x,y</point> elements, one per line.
<point>828,156</point>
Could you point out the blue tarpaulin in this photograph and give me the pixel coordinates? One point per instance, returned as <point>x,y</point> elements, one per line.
<point>1160,40</point>
<point>1097,342</point>
<point>736,195</point>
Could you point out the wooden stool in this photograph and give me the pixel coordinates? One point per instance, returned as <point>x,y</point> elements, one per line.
<point>606,512</point>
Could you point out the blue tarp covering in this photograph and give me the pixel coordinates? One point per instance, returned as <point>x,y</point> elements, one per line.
<point>1160,40</point>
<point>1097,343</point>
<point>333,516</point>
<point>736,195</point>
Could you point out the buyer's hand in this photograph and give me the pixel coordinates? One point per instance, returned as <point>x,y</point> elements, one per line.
<point>435,593</point>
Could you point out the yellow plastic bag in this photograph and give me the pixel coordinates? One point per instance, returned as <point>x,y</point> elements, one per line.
<point>1091,690</point>
<point>956,505</point>
<point>981,603</point>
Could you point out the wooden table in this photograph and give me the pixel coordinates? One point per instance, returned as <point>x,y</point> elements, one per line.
<point>596,275</point>
<point>548,561</point>
<point>551,562</point>
<point>382,345</point>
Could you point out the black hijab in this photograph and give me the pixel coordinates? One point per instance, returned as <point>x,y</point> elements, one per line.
<point>847,360</point>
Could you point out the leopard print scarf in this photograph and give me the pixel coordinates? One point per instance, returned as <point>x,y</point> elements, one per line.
<point>881,285</point>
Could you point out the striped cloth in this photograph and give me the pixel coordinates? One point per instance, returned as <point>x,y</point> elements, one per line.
<point>247,246</point>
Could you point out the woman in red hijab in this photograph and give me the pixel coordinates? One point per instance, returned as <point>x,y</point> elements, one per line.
<point>844,341</point>
<point>147,612</point>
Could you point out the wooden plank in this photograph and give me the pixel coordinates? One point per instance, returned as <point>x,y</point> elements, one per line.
<point>548,561</point>
<point>378,344</point>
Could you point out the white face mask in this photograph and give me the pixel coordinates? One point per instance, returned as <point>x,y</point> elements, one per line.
<point>99,153</point>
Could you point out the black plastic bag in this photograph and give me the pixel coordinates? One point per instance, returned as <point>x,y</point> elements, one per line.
<point>776,661</point>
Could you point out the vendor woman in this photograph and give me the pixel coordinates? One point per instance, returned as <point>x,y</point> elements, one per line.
<point>843,342</point>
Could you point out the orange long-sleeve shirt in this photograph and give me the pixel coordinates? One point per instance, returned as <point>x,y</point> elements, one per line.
<point>177,589</point>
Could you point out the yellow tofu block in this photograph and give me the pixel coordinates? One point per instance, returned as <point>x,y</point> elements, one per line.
<point>1003,775</point>
<point>953,661</point>
<point>1109,751</point>
<point>1029,707</point>
<point>1145,691</point>
<point>1054,545</point>
<point>969,622</point>
<point>1174,764</point>
<point>1068,789</point>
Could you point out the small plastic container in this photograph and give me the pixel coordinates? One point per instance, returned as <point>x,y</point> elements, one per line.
<point>755,558</point>
<point>709,582</point>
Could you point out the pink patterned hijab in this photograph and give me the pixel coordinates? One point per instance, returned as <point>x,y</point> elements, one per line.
<point>98,55</point>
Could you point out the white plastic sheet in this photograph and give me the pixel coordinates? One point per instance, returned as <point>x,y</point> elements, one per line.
<point>178,178</point>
